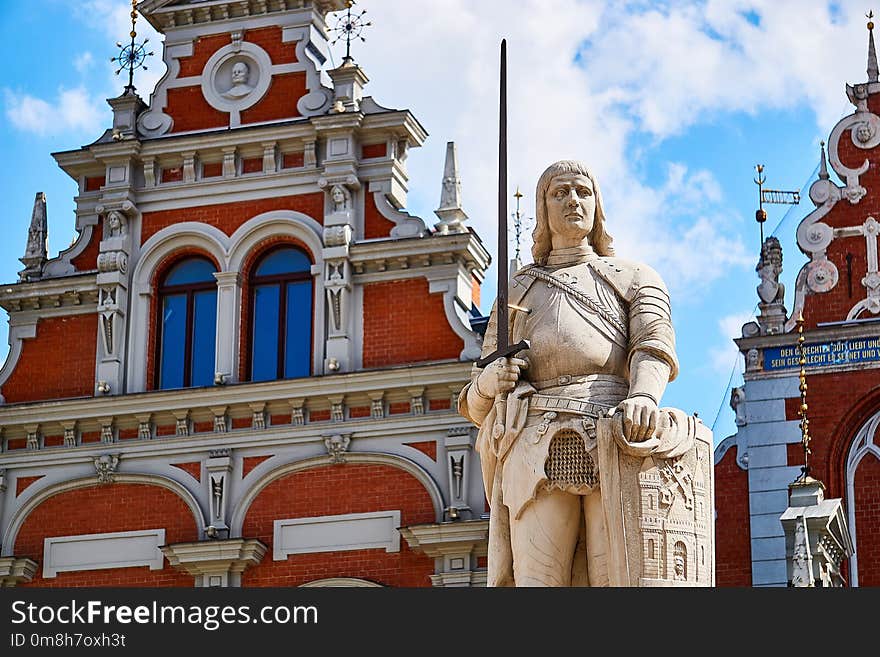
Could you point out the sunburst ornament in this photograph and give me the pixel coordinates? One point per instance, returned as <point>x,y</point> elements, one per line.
<point>350,26</point>
<point>133,55</point>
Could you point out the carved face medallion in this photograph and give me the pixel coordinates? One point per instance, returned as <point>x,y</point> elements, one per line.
<point>571,205</point>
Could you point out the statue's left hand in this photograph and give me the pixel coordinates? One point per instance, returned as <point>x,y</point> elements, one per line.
<point>640,417</point>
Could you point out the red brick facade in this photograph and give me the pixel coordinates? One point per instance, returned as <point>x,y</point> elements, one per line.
<point>88,259</point>
<point>375,225</point>
<point>230,216</point>
<point>335,490</point>
<point>419,331</point>
<point>867,512</point>
<point>102,509</point>
<point>47,369</point>
<point>190,111</point>
<point>733,552</point>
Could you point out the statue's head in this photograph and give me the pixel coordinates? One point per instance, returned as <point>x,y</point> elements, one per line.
<point>240,72</point>
<point>570,170</point>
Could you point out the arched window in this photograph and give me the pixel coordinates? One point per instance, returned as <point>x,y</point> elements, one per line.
<point>187,325</point>
<point>281,311</point>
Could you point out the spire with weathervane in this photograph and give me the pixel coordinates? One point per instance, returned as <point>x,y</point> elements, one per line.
<point>131,57</point>
<point>873,70</point>
<point>35,253</point>
<point>349,79</point>
<point>452,217</point>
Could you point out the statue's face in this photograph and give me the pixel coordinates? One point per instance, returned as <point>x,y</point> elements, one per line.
<point>239,73</point>
<point>571,205</point>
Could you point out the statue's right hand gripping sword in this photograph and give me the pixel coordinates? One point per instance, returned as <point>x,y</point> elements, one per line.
<point>503,347</point>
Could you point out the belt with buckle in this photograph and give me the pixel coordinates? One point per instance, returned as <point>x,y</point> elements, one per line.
<point>567,405</point>
<point>567,379</point>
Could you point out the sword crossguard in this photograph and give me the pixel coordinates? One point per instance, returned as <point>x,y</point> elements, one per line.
<point>506,352</point>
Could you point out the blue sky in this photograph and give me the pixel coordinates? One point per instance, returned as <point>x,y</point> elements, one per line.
<point>671,103</point>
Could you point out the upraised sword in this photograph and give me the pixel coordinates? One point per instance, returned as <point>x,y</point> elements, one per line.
<point>503,347</point>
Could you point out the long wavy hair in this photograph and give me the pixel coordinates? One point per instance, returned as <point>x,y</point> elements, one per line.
<point>600,240</point>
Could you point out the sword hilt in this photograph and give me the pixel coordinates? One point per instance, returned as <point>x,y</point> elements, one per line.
<point>507,352</point>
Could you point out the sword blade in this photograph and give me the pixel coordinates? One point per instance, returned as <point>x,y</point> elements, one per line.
<point>502,336</point>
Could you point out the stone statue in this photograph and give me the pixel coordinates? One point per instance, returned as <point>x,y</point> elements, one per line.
<point>602,350</point>
<point>769,267</point>
<point>240,86</point>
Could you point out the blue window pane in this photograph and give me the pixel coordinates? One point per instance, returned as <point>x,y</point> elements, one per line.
<point>298,328</point>
<point>194,270</point>
<point>264,354</point>
<point>204,338</point>
<point>284,261</point>
<point>173,341</point>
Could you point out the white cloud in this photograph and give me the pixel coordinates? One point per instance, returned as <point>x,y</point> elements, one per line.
<point>72,111</point>
<point>84,62</point>
<point>725,356</point>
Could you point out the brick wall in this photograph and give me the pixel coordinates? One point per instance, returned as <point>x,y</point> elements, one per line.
<point>403,323</point>
<point>839,404</point>
<point>733,552</point>
<point>867,512</point>
<point>88,259</point>
<point>189,109</point>
<point>101,509</point>
<point>375,225</point>
<point>58,363</point>
<point>280,100</point>
<point>230,216</point>
<point>334,490</point>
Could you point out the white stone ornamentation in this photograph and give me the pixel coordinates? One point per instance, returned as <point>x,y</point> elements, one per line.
<point>105,467</point>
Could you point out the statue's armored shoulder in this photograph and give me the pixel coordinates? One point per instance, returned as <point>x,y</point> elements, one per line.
<point>626,276</point>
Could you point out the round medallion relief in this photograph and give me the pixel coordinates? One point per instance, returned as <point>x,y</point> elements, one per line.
<point>236,77</point>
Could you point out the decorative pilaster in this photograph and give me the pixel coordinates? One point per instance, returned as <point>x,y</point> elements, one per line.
<point>338,236</point>
<point>228,302</point>
<point>113,289</point>
<point>219,470</point>
<point>459,444</point>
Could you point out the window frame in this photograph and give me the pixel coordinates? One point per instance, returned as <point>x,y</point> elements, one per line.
<point>282,280</point>
<point>190,290</point>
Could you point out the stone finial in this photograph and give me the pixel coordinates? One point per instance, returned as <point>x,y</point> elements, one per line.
<point>451,215</point>
<point>873,70</point>
<point>823,164</point>
<point>35,253</point>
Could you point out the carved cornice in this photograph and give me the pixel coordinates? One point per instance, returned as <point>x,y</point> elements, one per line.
<point>165,408</point>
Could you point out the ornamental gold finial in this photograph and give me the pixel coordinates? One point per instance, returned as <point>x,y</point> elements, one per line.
<point>869,16</point>
<point>805,422</point>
